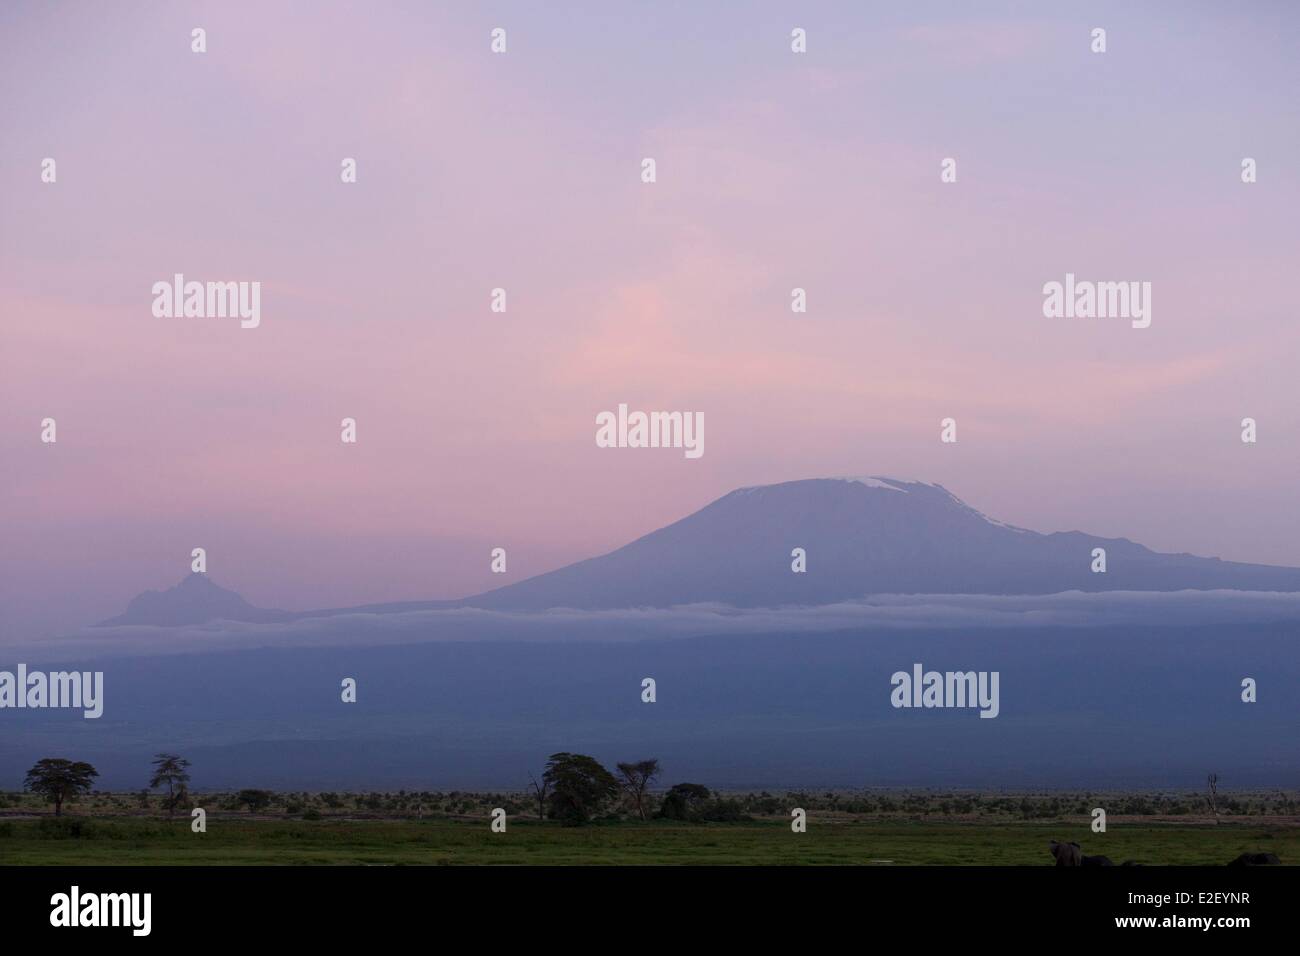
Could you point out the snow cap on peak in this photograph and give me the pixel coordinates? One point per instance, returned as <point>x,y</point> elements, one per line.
<point>879,481</point>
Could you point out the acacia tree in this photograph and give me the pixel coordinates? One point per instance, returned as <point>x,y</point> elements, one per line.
<point>580,787</point>
<point>635,778</point>
<point>58,780</point>
<point>255,799</point>
<point>170,769</point>
<point>684,800</point>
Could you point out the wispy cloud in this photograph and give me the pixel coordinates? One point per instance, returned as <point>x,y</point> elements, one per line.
<point>1074,609</point>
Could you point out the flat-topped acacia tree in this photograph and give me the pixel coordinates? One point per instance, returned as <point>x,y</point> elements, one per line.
<point>59,780</point>
<point>171,770</point>
<point>635,779</point>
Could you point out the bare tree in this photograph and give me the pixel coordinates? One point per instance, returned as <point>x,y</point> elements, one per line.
<point>635,778</point>
<point>540,791</point>
<point>1212,782</point>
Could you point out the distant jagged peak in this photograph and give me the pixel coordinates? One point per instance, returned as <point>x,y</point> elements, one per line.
<point>195,599</point>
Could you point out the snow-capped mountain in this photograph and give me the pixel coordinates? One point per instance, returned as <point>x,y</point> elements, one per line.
<point>860,536</point>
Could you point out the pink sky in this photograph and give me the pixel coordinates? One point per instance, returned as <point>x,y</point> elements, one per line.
<point>774,170</point>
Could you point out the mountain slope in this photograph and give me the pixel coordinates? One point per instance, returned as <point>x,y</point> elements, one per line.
<point>862,536</point>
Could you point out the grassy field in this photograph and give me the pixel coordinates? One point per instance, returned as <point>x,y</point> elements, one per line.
<point>243,841</point>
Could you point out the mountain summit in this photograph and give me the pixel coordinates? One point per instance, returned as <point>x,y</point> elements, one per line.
<point>862,536</point>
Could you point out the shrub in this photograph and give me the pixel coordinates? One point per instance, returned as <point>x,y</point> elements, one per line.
<point>722,811</point>
<point>684,801</point>
<point>65,828</point>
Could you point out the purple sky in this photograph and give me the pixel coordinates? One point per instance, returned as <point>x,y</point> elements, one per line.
<point>774,170</point>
